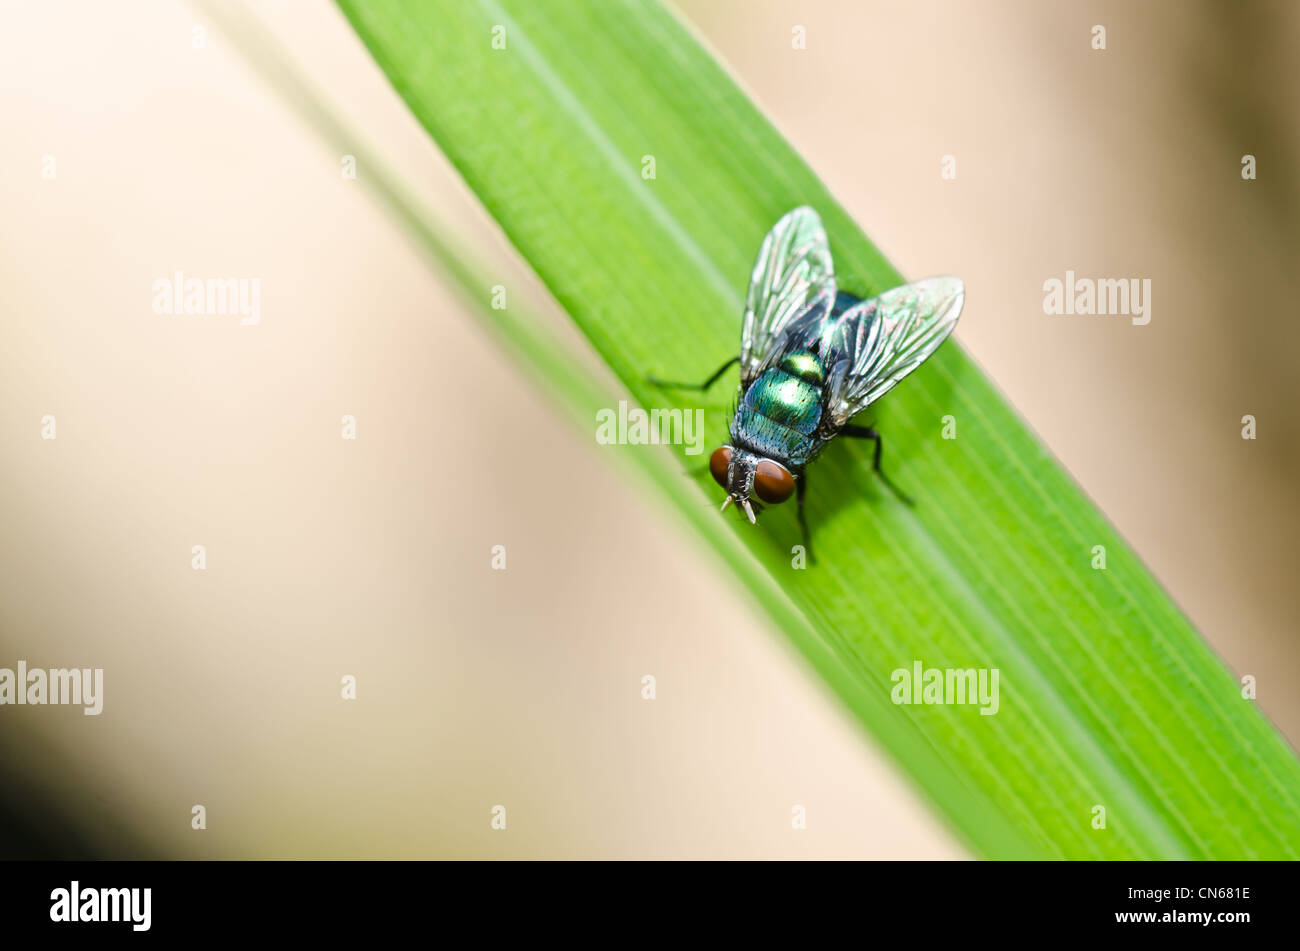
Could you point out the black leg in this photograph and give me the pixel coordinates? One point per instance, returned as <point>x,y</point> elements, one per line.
<point>801,486</point>
<point>866,432</point>
<point>694,386</point>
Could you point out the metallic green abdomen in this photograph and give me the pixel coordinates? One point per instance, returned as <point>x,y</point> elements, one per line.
<point>782,408</point>
<point>805,366</point>
<point>786,400</point>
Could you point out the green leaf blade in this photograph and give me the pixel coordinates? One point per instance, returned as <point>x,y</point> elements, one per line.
<point>1109,697</point>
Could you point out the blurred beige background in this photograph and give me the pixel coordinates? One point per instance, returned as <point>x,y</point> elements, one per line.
<point>372,558</point>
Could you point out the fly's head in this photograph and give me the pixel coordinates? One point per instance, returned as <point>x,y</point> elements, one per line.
<point>745,474</point>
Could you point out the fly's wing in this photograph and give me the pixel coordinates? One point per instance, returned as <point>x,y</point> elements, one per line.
<point>882,340</point>
<point>792,274</point>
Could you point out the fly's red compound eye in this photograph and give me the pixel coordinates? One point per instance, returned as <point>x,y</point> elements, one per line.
<point>719,463</point>
<point>773,483</point>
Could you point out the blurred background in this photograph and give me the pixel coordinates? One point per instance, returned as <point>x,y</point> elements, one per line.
<point>372,557</point>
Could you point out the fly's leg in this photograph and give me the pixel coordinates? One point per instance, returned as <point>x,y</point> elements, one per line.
<point>801,486</point>
<point>694,386</point>
<point>866,432</point>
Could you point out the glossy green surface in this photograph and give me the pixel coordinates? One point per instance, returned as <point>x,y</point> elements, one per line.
<point>1110,700</point>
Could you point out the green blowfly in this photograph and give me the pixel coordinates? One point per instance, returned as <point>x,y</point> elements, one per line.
<point>811,358</point>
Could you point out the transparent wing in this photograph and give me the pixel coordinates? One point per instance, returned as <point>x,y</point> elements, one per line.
<point>793,272</point>
<point>882,340</point>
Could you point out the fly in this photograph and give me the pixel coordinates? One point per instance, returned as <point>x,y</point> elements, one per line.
<point>811,358</point>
